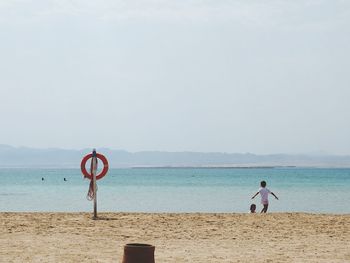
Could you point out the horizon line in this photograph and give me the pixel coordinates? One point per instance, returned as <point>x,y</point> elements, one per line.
<point>321,153</point>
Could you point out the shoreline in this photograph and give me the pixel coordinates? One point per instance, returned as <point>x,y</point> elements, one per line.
<point>177,213</point>
<point>178,237</point>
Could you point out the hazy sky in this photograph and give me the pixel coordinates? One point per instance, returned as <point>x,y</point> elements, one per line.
<point>197,75</point>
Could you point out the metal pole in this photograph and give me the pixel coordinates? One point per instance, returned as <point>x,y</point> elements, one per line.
<point>94,171</point>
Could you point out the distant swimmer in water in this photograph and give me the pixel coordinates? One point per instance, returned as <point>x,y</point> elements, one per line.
<point>42,179</point>
<point>64,179</point>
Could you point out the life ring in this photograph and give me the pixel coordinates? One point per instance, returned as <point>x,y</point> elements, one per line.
<point>102,173</point>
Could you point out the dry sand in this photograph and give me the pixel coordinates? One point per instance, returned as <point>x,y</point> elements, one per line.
<point>75,237</point>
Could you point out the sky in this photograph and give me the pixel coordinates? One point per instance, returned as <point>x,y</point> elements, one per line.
<point>197,75</point>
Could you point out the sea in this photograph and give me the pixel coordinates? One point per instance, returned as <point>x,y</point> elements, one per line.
<point>212,190</point>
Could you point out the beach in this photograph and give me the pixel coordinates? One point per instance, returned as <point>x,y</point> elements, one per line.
<point>178,237</point>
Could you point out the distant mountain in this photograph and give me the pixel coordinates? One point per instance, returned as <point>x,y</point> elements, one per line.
<point>54,157</point>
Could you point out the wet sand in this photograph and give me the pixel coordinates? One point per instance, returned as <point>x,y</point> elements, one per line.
<point>75,237</point>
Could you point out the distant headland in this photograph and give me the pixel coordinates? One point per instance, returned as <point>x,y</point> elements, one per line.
<point>23,157</point>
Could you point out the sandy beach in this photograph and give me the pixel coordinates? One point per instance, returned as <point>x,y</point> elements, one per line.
<point>75,237</point>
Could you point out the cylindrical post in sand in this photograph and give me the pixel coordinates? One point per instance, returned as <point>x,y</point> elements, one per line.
<point>138,253</point>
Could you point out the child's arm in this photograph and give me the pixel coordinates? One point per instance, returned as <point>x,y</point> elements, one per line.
<point>274,195</point>
<point>255,195</point>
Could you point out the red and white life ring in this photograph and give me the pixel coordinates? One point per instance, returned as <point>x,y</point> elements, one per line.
<point>89,175</point>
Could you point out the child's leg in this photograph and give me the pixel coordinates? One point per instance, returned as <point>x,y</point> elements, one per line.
<point>264,210</point>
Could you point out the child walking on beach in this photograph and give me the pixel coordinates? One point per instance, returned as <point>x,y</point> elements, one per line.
<point>264,192</point>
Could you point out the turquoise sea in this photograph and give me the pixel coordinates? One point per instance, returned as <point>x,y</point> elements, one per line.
<point>177,190</point>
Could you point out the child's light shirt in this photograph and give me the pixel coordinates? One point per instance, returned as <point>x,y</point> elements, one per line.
<point>264,192</point>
